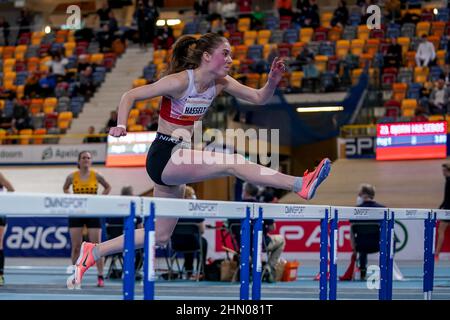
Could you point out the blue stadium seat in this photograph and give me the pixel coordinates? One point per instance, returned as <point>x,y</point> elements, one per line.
<point>190,28</point>
<point>443,15</point>
<point>393,31</point>
<point>255,52</point>
<point>326,48</point>
<point>435,73</point>
<point>290,35</point>
<point>414,91</point>
<point>271,23</point>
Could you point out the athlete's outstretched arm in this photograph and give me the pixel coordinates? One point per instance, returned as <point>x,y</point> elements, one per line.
<point>171,85</point>
<point>257,96</point>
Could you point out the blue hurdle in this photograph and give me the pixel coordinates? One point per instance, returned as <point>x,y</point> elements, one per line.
<point>352,213</point>
<point>291,212</point>
<point>176,208</point>
<point>19,204</point>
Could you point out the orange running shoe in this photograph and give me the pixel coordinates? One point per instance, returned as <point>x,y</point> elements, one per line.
<point>84,262</point>
<point>312,180</point>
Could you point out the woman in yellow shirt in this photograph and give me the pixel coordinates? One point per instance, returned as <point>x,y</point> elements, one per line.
<point>85,181</point>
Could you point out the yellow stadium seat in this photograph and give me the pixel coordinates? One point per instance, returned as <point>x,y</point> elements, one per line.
<point>267,48</point>
<point>139,82</point>
<point>399,91</point>
<point>2,105</point>
<point>411,59</point>
<point>142,104</point>
<point>48,109</point>
<point>321,63</point>
<point>436,117</point>
<point>240,52</point>
<point>363,32</point>
<point>159,56</point>
<point>155,102</point>
<point>20,90</point>
<point>136,128</point>
<point>421,74</point>
<point>437,28</point>
<point>250,37</point>
<point>39,131</point>
<point>325,19</point>
<point>296,79</point>
<point>306,34</point>
<point>252,80</point>
<point>440,57</point>
<point>423,27</point>
<point>36,106</point>
<point>408,112</point>
<point>365,58</point>
<point>356,73</point>
<point>264,36</point>
<point>409,103</point>
<point>357,46</point>
<point>334,34</point>
<point>69,48</point>
<point>404,42</point>
<point>36,37</point>
<point>97,58</point>
<point>9,65</point>
<point>9,76</point>
<point>20,52</point>
<point>9,85</point>
<point>243,24</point>
<point>134,113</point>
<point>342,47</point>
<point>25,132</point>
<point>8,52</point>
<point>372,46</point>
<point>51,102</point>
<point>178,29</point>
<point>3,134</point>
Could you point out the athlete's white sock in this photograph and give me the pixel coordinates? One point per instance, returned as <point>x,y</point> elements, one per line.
<point>298,183</point>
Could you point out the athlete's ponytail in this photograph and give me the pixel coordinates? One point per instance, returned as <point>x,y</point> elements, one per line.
<point>187,51</point>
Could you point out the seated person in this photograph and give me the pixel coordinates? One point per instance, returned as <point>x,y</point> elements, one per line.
<point>365,198</point>
<point>273,244</point>
<point>182,241</point>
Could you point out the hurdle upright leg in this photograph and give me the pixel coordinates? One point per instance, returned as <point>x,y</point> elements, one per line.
<point>245,257</point>
<point>128,254</point>
<point>333,256</point>
<point>149,255</point>
<point>256,263</point>
<point>390,256</point>
<point>383,257</point>
<point>432,253</point>
<point>323,256</point>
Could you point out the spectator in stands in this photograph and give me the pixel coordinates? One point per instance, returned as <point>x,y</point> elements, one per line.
<point>58,66</point>
<point>311,16</point>
<point>304,56</point>
<point>112,122</point>
<point>201,7</point>
<point>105,38</point>
<point>439,98</point>
<point>4,25</point>
<point>32,88</point>
<point>47,84</point>
<point>215,10</point>
<point>164,38</point>
<point>5,185</point>
<point>21,119</point>
<point>273,243</point>
<point>425,54</point>
<point>90,138</point>
<point>83,63</point>
<point>446,75</point>
<point>366,196</point>
<point>284,7</point>
<point>229,11</point>
<point>103,14</point>
<point>5,122</point>
<point>364,14</point>
<point>85,181</point>
<point>443,224</point>
<point>257,18</point>
<point>189,193</point>
<point>393,56</point>
<point>86,85</point>
<point>24,22</point>
<point>113,24</point>
<point>153,125</point>
<point>340,15</point>
<point>146,16</point>
<point>311,74</point>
